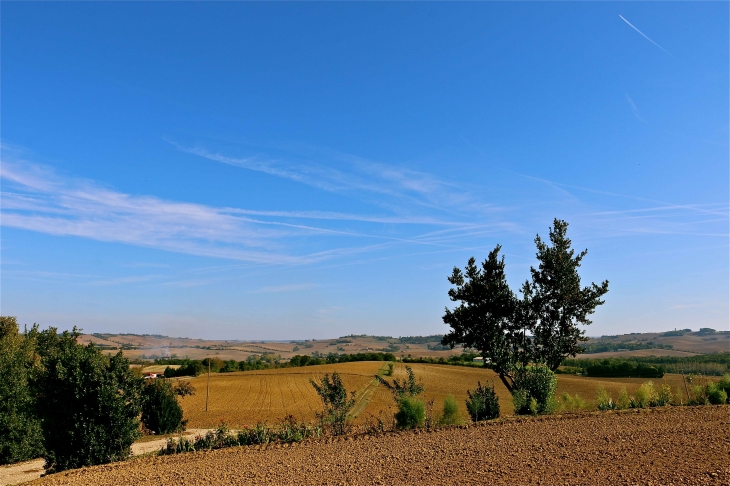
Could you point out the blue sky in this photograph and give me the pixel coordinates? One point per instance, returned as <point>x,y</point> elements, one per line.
<point>307,170</point>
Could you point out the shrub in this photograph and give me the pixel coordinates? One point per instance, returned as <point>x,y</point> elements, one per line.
<point>450,414</point>
<point>664,396</point>
<point>21,438</point>
<point>573,403</point>
<point>715,394</point>
<point>623,401</point>
<point>538,383</point>
<point>89,404</point>
<point>604,400</point>
<point>391,369</point>
<point>335,401</point>
<point>724,383</point>
<point>161,412</point>
<point>411,412</point>
<point>483,404</point>
<point>645,395</point>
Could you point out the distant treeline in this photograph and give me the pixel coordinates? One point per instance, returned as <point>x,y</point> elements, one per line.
<point>434,338</point>
<point>190,367</point>
<point>639,366</point>
<point>463,359</point>
<point>603,347</point>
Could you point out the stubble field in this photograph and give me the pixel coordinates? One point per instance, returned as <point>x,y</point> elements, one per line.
<point>246,398</point>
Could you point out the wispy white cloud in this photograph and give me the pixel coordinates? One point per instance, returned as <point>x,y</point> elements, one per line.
<point>396,188</point>
<point>645,36</point>
<point>286,288</point>
<point>36,198</point>
<point>634,109</point>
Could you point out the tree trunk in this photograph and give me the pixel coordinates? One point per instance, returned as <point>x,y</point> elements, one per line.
<point>510,386</point>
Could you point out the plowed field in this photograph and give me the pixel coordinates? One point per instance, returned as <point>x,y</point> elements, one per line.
<point>675,445</point>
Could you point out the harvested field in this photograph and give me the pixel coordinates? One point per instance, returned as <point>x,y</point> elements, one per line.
<point>245,398</point>
<point>674,445</point>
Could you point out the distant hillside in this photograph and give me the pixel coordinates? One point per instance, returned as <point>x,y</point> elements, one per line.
<point>152,346</point>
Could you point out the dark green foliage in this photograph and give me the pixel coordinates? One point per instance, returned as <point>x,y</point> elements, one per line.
<point>215,365</point>
<point>230,365</point>
<point>623,368</point>
<point>450,415</point>
<point>555,300</point>
<point>716,394</point>
<point>411,412</point>
<point>187,368</point>
<point>706,364</point>
<point>89,404</point>
<point>161,412</point>
<point>335,401</point>
<point>21,438</point>
<point>434,338</point>
<point>602,346</point>
<point>483,403</point>
<point>537,383</point>
<point>486,318</point>
<point>542,327</point>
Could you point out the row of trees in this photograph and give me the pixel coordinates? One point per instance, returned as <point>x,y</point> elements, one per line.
<point>71,404</point>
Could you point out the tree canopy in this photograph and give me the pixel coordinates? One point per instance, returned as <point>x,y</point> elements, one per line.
<point>540,327</point>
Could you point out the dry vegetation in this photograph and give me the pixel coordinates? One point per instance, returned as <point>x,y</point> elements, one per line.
<point>675,445</point>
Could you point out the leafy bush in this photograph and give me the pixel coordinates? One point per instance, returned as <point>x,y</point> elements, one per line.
<point>483,403</point>
<point>604,400</point>
<point>161,412</point>
<point>623,401</point>
<point>335,401</point>
<point>411,412</point>
<point>724,383</point>
<point>21,438</point>
<point>390,370</point>
<point>521,402</point>
<point>450,415</point>
<point>573,403</point>
<point>664,396</point>
<point>715,394</point>
<point>644,397</point>
<point>89,404</point>
<point>538,383</point>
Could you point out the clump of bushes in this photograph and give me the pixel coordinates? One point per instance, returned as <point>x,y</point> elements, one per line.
<point>647,395</point>
<point>289,430</point>
<point>483,403</point>
<point>705,392</point>
<point>534,391</point>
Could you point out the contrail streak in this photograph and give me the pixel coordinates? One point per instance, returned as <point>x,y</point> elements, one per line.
<point>645,36</point>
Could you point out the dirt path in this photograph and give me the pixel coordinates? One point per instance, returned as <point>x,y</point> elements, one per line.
<point>364,397</point>
<point>28,471</point>
<point>672,446</point>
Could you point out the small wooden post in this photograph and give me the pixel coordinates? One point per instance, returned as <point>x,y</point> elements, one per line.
<point>207,388</point>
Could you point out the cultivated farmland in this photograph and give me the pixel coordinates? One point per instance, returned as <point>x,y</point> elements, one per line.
<point>245,398</point>
<point>674,445</point>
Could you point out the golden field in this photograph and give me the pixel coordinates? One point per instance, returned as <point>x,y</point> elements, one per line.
<point>245,398</point>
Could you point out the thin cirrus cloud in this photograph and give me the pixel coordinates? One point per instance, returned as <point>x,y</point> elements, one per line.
<point>36,198</point>
<point>396,188</point>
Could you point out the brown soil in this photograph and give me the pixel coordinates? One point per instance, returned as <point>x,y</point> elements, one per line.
<point>682,445</point>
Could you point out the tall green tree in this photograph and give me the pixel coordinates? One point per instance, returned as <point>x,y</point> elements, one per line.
<point>540,327</point>
<point>89,404</point>
<point>557,303</point>
<point>21,437</point>
<point>486,318</point>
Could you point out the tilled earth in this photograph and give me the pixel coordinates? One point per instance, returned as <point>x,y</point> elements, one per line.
<point>682,445</point>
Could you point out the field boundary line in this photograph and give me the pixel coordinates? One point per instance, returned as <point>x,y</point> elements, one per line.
<point>362,401</point>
